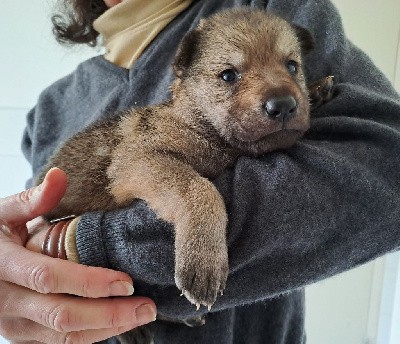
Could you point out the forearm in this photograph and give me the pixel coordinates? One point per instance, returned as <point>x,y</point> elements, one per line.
<point>294,218</point>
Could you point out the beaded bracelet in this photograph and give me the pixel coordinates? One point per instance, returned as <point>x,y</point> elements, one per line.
<point>54,241</point>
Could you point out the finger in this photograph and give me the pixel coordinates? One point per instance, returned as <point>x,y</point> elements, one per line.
<point>27,331</point>
<point>94,336</point>
<point>37,229</point>
<point>24,206</point>
<point>19,330</point>
<point>78,314</point>
<point>36,225</point>
<point>64,313</point>
<point>50,275</point>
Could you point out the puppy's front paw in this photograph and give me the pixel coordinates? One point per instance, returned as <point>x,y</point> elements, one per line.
<point>321,91</point>
<point>201,274</point>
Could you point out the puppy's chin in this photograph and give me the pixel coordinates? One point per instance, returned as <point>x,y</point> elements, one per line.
<point>278,140</point>
<point>255,132</point>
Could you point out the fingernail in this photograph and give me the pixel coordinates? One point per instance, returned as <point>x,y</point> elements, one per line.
<point>145,314</point>
<point>121,288</point>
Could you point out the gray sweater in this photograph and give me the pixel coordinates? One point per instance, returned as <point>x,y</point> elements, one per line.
<point>326,205</point>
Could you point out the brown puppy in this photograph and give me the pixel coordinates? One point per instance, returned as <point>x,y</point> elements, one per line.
<point>239,90</point>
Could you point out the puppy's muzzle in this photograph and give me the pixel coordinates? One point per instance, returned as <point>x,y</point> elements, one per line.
<point>281,108</point>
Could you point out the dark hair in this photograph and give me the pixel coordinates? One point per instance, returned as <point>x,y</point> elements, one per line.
<point>74,22</point>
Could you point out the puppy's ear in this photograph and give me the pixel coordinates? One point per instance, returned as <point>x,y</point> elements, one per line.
<point>187,52</point>
<point>306,40</point>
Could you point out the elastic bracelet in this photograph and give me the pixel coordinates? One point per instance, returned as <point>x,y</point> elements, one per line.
<point>54,241</point>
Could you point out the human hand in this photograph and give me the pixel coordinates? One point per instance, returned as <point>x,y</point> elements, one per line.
<point>38,294</point>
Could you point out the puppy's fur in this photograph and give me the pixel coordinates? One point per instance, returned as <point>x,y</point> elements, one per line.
<point>227,72</point>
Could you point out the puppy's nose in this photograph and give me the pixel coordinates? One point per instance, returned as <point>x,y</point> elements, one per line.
<point>281,108</point>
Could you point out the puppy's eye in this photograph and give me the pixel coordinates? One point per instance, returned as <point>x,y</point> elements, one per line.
<point>229,75</point>
<point>292,67</point>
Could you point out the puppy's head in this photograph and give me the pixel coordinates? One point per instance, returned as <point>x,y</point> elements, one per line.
<point>241,70</point>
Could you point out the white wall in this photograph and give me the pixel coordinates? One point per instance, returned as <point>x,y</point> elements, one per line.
<point>375,27</point>
<point>30,60</point>
<point>389,315</point>
<point>341,310</point>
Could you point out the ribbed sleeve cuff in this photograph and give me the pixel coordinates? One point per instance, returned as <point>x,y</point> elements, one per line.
<point>89,240</point>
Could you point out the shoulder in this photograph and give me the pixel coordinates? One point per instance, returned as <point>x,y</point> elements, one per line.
<point>87,73</point>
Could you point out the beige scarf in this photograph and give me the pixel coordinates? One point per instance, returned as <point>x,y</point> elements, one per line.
<point>129,27</point>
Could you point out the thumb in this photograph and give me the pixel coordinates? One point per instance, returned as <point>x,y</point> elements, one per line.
<point>26,205</point>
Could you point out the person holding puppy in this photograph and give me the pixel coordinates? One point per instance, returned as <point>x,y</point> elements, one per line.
<point>295,217</point>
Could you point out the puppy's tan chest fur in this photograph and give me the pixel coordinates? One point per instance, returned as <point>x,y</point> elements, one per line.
<point>159,130</point>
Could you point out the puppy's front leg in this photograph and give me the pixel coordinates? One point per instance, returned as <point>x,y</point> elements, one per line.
<point>178,194</point>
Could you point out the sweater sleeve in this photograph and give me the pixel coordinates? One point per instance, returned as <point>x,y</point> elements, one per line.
<point>322,207</point>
